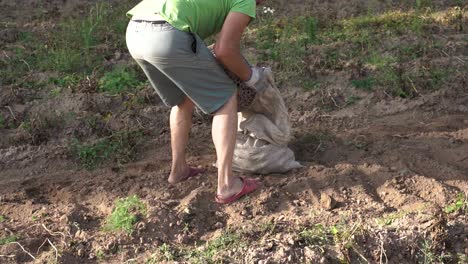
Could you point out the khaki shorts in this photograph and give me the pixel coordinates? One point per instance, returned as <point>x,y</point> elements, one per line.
<point>178,64</point>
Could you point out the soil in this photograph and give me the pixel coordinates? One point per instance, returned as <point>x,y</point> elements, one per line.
<point>382,156</point>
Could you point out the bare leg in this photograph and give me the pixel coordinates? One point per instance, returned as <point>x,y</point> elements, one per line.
<point>180,123</point>
<point>224,132</point>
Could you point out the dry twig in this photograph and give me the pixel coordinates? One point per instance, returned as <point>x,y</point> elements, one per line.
<point>24,250</point>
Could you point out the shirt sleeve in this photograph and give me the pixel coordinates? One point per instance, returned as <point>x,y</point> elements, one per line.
<point>245,7</point>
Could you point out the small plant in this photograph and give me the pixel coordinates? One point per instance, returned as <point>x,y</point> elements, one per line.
<point>311,85</point>
<point>316,235</point>
<point>7,240</point>
<point>210,252</point>
<point>268,227</point>
<point>125,214</point>
<point>459,204</point>
<point>2,219</point>
<point>366,84</point>
<point>55,91</point>
<point>119,80</point>
<point>426,256</point>
<point>389,219</point>
<point>100,254</point>
<point>352,100</point>
<point>164,254</point>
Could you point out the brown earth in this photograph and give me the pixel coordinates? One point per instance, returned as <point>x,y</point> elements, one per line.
<point>381,156</point>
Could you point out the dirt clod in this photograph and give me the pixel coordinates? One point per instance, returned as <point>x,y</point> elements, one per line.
<point>327,202</point>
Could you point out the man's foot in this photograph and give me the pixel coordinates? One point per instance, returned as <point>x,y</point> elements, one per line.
<point>249,185</point>
<point>190,172</point>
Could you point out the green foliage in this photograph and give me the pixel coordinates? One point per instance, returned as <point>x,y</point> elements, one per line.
<point>366,84</point>
<point>352,100</point>
<point>125,214</point>
<point>426,255</point>
<point>2,121</point>
<point>311,85</point>
<point>7,240</point>
<point>2,219</point>
<point>389,219</point>
<point>119,80</point>
<point>459,204</point>
<point>120,147</point>
<point>164,253</point>
<point>76,45</point>
<point>316,235</point>
<point>421,4</point>
<point>210,252</point>
<point>285,41</point>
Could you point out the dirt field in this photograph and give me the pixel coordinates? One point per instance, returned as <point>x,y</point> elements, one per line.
<point>383,141</point>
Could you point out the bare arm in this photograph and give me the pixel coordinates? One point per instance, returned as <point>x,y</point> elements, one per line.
<point>227,47</point>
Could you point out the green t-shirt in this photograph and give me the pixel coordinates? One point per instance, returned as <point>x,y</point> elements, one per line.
<point>203,17</point>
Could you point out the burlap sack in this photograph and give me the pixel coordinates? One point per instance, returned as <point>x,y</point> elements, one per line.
<point>263,134</point>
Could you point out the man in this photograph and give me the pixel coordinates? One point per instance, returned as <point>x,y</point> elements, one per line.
<point>165,39</point>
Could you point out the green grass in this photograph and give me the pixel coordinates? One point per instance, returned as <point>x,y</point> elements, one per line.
<point>210,253</point>
<point>8,240</point>
<point>353,99</point>
<point>459,204</point>
<point>311,85</point>
<point>125,214</point>
<point>120,147</point>
<point>119,80</point>
<point>316,235</point>
<point>163,253</point>
<point>390,218</point>
<point>76,45</point>
<point>366,84</point>
<point>2,121</point>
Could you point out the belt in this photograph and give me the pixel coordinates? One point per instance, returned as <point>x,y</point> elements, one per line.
<point>154,18</point>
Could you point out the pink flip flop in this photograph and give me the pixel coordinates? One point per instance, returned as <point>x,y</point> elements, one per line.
<point>193,171</point>
<point>249,185</point>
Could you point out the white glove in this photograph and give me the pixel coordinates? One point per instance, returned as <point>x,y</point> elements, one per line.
<point>257,80</point>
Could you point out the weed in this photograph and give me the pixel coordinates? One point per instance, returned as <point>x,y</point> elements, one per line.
<point>426,254</point>
<point>210,252</point>
<point>100,254</point>
<point>459,204</point>
<point>311,85</point>
<point>55,91</point>
<point>352,100</point>
<point>421,4</point>
<point>164,253</point>
<point>119,80</point>
<point>7,240</point>
<point>67,80</point>
<point>285,42</point>
<point>268,227</point>
<point>125,214</point>
<point>343,235</point>
<point>366,84</point>
<point>379,62</point>
<point>2,219</point>
<point>120,147</point>
<point>311,27</point>
<point>437,76</point>
<point>2,121</point>
<point>389,219</point>
<point>316,235</point>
